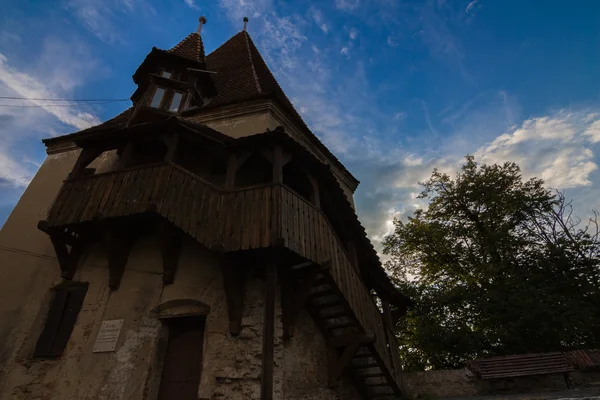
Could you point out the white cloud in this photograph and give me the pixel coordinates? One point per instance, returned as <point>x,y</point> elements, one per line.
<point>29,86</point>
<point>191,4</point>
<point>412,161</point>
<point>317,17</point>
<point>238,9</point>
<point>345,51</point>
<point>353,33</point>
<point>471,5</point>
<point>593,132</point>
<point>391,41</point>
<point>551,147</point>
<point>12,173</point>
<point>59,69</point>
<point>347,5</point>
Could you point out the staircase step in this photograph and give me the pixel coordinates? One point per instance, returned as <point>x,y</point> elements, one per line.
<point>327,303</point>
<point>363,355</point>
<point>335,314</point>
<point>340,324</point>
<point>371,375</point>
<point>380,395</point>
<point>373,385</point>
<point>364,366</point>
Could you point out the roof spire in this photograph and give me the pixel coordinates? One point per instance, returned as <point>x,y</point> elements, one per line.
<point>245,23</point>
<point>202,21</point>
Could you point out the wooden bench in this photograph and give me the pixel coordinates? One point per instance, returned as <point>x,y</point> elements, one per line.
<point>522,365</point>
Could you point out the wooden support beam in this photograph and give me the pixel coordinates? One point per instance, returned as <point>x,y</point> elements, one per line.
<point>234,162</point>
<point>316,196</point>
<point>287,157</point>
<point>353,255</point>
<point>231,170</point>
<point>387,314</point>
<point>170,250</point>
<point>266,387</point>
<point>234,277</point>
<point>171,143</point>
<point>277,164</point>
<point>296,289</point>
<point>338,362</point>
<point>86,156</point>
<point>67,260</point>
<point>119,239</point>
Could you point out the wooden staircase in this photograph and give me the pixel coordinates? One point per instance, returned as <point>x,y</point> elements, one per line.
<point>351,348</point>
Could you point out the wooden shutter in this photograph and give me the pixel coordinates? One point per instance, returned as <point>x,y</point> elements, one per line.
<point>183,362</point>
<point>62,315</point>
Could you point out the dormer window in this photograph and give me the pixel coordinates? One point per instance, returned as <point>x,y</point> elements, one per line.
<point>165,74</point>
<point>176,101</point>
<point>159,93</point>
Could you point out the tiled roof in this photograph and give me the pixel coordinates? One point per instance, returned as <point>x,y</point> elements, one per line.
<point>242,74</point>
<point>191,47</point>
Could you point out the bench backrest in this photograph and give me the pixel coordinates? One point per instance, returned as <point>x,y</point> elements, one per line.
<point>522,365</point>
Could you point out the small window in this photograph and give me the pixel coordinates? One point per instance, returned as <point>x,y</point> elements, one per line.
<point>157,98</point>
<point>176,101</point>
<point>166,74</point>
<point>60,321</point>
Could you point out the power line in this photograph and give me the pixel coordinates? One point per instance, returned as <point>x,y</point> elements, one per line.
<point>58,105</point>
<point>74,100</point>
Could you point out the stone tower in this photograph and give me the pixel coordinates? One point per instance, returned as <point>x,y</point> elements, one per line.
<point>202,244</point>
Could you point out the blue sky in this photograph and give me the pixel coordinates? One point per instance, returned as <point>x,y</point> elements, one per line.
<point>394,88</point>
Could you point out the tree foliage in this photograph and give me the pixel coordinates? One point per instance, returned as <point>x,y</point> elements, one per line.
<point>496,265</point>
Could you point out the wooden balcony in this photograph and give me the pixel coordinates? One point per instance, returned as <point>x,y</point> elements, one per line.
<point>245,219</point>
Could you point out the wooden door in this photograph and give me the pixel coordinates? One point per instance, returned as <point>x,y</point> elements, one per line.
<point>183,361</point>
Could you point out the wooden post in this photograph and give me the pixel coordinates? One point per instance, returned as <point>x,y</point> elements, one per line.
<point>387,314</point>
<point>119,238</point>
<point>353,255</point>
<point>172,147</point>
<point>86,156</point>
<point>277,164</point>
<point>170,249</point>
<point>231,170</point>
<point>316,198</point>
<point>266,387</point>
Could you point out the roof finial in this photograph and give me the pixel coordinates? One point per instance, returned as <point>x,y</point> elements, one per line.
<point>202,21</point>
<point>245,23</point>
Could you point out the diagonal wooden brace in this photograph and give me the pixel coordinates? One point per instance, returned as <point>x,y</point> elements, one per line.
<point>341,351</point>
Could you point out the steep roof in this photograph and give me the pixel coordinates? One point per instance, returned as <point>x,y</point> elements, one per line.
<point>242,74</point>
<point>191,47</point>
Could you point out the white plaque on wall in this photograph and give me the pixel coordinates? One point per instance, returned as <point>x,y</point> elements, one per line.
<point>108,336</point>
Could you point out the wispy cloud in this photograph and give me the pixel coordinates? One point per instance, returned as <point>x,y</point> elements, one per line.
<point>353,33</point>
<point>58,70</point>
<point>347,5</point>
<point>192,4</point>
<point>108,20</point>
<point>471,5</point>
<point>7,38</point>
<point>29,86</point>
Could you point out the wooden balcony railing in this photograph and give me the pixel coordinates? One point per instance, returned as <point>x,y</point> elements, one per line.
<point>240,219</point>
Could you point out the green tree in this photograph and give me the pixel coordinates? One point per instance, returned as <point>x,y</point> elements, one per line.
<point>496,265</point>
